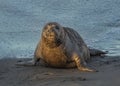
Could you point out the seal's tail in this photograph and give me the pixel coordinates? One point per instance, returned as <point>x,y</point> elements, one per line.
<point>96,52</point>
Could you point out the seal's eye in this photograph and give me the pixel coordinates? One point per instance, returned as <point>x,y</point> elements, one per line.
<point>56,27</point>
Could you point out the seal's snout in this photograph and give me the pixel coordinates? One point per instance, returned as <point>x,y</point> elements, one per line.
<point>51,31</point>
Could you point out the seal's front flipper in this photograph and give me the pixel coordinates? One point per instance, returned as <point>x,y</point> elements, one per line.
<point>96,52</point>
<point>81,66</point>
<point>26,63</point>
<point>86,69</point>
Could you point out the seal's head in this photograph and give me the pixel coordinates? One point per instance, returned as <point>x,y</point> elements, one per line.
<point>52,32</point>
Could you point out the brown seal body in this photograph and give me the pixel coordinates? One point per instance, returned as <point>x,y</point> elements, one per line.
<point>62,47</point>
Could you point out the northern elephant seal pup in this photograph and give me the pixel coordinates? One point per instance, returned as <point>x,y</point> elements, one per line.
<point>62,47</point>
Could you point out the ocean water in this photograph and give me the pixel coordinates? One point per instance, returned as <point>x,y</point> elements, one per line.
<point>21,22</point>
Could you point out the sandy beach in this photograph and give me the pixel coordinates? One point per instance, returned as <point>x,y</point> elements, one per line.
<point>13,75</point>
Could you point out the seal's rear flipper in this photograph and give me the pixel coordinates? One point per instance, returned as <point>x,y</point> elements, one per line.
<point>96,52</point>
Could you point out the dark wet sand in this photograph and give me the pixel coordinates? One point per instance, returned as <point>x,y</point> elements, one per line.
<point>108,75</point>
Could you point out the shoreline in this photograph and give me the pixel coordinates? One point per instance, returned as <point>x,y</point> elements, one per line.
<point>108,75</point>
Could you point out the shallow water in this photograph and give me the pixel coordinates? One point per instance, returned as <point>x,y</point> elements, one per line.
<point>21,22</point>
